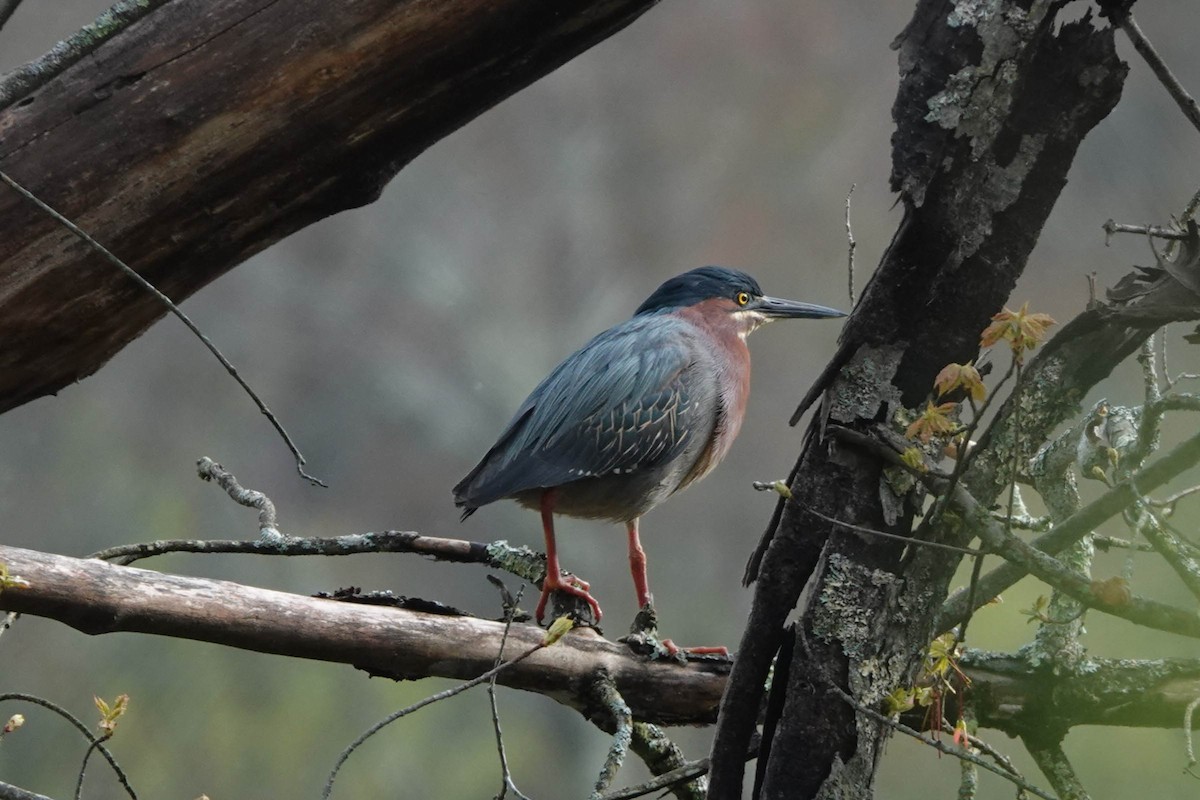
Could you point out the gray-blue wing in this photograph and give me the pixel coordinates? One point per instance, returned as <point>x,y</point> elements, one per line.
<point>627,400</point>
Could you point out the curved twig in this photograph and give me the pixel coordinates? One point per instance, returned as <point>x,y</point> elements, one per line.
<point>174,309</point>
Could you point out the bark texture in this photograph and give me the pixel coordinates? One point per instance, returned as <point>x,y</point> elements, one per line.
<point>202,132</point>
<point>994,100</point>
<point>96,597</point>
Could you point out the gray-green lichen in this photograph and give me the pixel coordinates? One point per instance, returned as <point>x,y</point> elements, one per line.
<point>976,100</point>
<point>519,561</point>
<point>845,608</point>
<point>865,384</point>
<point>31,76</point>
<point>972,12</point>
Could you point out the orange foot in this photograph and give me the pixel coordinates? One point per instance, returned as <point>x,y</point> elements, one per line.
<point>572,586</point>
<point>674,649</point>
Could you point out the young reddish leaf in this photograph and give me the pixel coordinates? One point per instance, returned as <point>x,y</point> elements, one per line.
<point>1022,330</point>
<point>960,734</point>
<point>934,421</point>
<point>964,376</point>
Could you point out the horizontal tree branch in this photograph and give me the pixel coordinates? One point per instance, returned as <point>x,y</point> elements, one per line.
<point>96,597</point>
<point>1010,695</point>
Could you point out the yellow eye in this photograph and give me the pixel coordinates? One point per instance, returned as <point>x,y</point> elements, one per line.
<point>741,298</point>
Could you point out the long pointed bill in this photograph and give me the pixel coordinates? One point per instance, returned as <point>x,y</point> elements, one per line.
<point>778,308</point>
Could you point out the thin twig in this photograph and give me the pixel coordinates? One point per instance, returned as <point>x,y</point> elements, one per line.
<point>851,245</point>
<point>1187,736</point>
<point>268,529</point>
<point>174,309</point>
<point>11,792</point>
<point>1057,768</point>
<point>1147,359</point>
<point>661,755</point>
<point>1169,502</point>
<point>1036,558</point>
<point>1140,43</point>
<point>939,745</point>
<point>687,772</point>
<point>395,715</point>
<point>979,744</point>
<point>683,773</point>
<point>1026,522</point>
<point>122,778</point>
<point>1105,542</point>
<point>1110,227</point>
<point>505,774</point>
<point>960,635</point>
<point>27,79</point>
<point>83,767</point>
<point>906,539</point>
<point>520,561</point>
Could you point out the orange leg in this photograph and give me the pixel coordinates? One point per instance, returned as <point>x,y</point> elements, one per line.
<point>554,581</point>
<point>637,565</point>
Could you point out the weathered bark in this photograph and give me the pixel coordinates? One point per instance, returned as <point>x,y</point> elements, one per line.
<point>96,597</point>
<point>205,131</point>
<point>991,108</point>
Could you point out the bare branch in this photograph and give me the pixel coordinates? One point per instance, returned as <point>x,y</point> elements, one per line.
<point>10,792</point>
<point>267,526</point>
<point>1178,555</point>
<point>851,246</point>
<point>520,561</point>
<point>939,745</point>
<point>662,756</point>
<point>174,309</point>
<point>685,773</point>
<point>506,778</point>
<point>605,693</point>
<point>1055,765</point>
<point>1111,227</point>
<point>36,74</point>
<point>93,740</point>
<point>417,706</point>
<point>98,597</point>
<point>1140,43</point>
<point>1187,733</point>
<point>1079,524</point>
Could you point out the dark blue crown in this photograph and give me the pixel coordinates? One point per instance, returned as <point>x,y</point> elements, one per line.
<point>699,284</point>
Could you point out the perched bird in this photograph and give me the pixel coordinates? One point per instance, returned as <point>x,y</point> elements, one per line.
<point>641,411</point>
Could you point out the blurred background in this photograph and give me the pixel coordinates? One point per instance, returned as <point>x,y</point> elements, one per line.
<point>395,341</point>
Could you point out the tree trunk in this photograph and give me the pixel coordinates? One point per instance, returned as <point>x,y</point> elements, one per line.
<point>992,105</point>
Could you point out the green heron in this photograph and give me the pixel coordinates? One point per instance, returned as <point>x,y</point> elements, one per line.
<point>641,411</point>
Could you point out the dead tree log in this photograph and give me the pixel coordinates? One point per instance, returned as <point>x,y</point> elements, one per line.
<point>201,133</point>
